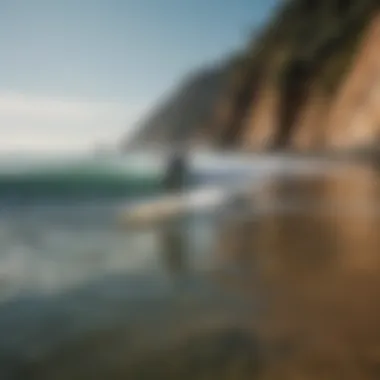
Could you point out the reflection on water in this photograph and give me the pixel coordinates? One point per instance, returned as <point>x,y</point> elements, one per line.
<point>317,245</point>
<point>173,249</point>
<point>283,286</point>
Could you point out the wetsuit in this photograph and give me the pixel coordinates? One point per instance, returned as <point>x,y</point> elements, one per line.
<point>175,179</point>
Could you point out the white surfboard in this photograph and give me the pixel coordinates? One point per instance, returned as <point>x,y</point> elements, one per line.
<point>169,206</point>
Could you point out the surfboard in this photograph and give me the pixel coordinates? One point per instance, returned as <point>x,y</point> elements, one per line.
<point>169,206</point>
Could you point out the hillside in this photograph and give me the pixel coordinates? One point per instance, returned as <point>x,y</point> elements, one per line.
<point>184,113</point>
<point>310,81</point>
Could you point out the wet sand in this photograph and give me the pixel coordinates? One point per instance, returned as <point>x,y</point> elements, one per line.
<point>292,293</point>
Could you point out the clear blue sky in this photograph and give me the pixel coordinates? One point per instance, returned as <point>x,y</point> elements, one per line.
<point>73,72</point>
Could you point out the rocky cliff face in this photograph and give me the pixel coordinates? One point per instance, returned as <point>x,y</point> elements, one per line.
<point>310,81</point>
<point>354,116</point>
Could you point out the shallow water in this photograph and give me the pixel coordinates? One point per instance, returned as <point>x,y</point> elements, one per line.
<point>83,298</point>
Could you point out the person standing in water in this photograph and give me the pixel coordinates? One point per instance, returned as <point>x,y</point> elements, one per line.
<point>174,233</point>
<point>176,173</point>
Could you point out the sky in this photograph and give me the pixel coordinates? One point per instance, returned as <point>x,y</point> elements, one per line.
<point>77,73</point>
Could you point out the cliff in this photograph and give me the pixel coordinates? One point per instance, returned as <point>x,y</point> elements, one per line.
<point>310,81</point>
<point>183,115</point>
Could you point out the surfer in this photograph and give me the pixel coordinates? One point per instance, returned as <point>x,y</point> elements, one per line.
<point>175,176</point>
<point>173,235</point>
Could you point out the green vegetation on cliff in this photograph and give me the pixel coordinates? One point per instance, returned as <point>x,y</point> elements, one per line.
<point>309,36</point>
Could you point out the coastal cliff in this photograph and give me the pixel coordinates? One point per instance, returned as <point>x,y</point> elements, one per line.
<point>184,113</point>
<point>309,82</point>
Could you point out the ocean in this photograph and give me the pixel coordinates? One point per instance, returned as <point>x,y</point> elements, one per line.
<point>70,273</point>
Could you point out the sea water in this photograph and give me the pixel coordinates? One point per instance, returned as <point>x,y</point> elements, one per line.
<point>68,268</point>
<point>58,224</point>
